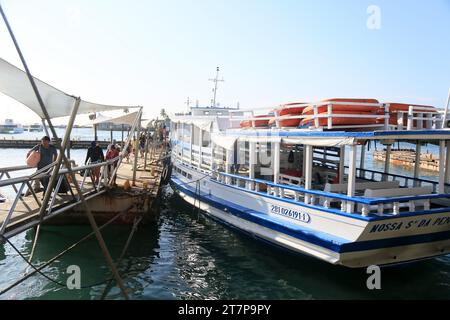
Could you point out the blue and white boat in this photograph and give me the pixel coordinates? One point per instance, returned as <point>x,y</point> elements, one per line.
<point>307,189</point>
<point>9,127</point>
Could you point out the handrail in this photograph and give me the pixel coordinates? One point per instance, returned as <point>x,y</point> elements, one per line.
<point>366,201</point>
<point>400,176</point>
<point>41,175</point>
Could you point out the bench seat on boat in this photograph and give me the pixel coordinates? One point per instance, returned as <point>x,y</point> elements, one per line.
<point>359,186</point>
<point>398,192</point>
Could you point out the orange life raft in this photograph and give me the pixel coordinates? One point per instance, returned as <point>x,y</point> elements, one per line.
<point>354,110</point>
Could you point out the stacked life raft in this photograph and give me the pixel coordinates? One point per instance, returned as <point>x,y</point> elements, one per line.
<point>344,112</point>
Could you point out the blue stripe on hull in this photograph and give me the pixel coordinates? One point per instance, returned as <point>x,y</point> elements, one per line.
<point>321,239</point>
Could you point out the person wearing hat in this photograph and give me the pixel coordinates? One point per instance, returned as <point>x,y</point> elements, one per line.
<point>95,155</point>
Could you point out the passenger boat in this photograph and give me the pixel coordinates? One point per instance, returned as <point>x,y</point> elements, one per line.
<point>307,189</point>
<point>9,127</point>
<point>35,127</point>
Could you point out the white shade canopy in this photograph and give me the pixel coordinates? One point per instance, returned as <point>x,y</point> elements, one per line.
<point>15,84</point>
<point>125,119</point>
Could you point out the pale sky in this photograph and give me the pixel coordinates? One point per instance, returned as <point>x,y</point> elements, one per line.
<point>158,53</point>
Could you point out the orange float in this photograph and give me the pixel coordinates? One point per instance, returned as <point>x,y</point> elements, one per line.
<point>336,121</point>
<point>344,107</point>
<point>395,108</point>
<point>258,123</point>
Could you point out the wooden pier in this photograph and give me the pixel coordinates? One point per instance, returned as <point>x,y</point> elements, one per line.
<point>407,157</point>
<point>28,144</point>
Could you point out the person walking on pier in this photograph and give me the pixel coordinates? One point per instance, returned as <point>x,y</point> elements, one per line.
<point>112,153</point>
<point>48,154</point>
<point>95,155</point>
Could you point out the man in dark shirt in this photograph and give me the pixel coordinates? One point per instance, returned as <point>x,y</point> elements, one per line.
<point>48,154</point>
<point>95,154</point>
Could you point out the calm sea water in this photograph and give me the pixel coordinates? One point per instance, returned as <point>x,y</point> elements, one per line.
<point>184,255</point>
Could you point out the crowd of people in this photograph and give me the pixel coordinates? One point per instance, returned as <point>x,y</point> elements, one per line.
<point>48,153</point>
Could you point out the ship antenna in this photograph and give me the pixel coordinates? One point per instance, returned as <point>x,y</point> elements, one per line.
<point>188,103</point>
<point>216,81</point>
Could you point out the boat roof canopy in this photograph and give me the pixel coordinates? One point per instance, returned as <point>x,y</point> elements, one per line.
<point>15,84</point>
<point>336,138</point>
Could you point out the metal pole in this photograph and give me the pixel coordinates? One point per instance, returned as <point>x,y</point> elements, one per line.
<point>67,163</point>
<point>136,149</point>
<point>442,166</point>
<point>387,162</point>
<point>45,128</point>
<point>122,142</point>
<point>417,163</point>
<point>147,135</point>
<point>351,177</point>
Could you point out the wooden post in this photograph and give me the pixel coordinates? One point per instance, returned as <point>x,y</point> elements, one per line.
<point>351,177</point>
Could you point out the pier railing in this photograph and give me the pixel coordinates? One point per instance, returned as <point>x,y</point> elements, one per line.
<point>365,206</point>
<point>23,186</point>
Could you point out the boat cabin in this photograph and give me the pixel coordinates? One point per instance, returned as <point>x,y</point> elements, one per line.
<point>314,154</point>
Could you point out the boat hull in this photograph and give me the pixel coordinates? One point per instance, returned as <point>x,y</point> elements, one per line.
<point>339,240</point>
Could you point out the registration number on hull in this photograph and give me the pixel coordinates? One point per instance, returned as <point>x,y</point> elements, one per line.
<point>290,213</point>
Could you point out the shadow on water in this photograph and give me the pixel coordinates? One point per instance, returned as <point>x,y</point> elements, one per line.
<point>185,255</point>
<point>250,269</point>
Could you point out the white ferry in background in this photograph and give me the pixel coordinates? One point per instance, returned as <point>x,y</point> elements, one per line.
<point>295,177</point>
<point>35,127</point>
<point>9,127</point>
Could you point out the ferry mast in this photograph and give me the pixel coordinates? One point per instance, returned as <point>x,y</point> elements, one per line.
<point>216,81</point>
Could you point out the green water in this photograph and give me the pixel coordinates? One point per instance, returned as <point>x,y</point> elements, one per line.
<point>185,255</point>
<point>188,256</point>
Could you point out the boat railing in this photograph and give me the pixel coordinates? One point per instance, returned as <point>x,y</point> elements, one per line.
<point>417,118</point>
<point>365,206</point>
<point>405,181</point>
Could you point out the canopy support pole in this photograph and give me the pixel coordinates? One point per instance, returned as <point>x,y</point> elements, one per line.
<point>45,128</point>
<point>67,163</point>
<point>136,148</point>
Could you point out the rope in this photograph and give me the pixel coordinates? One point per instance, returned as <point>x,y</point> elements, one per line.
<point>43,274</point>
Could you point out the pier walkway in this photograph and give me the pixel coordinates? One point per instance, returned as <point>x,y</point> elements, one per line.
<point>24,211</point>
